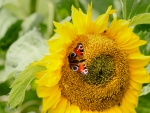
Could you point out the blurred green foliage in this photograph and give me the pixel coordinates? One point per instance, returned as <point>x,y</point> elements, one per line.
<point>26,24</point>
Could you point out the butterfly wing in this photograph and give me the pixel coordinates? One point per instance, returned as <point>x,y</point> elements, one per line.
<point>79,50</point>
<point>79,67</point>
<point>77,54</point>
<point>82,68</point>
<point>76,61</point>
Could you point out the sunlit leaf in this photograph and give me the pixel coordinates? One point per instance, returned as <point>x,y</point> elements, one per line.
<point>148,68</point>
<point>47,8</point>
<point>20,84</point>
<point>2,78</point>
<point>32,21</point>
<point>25,4</point>
<point>131,8</point>
<point>145,90</point>
<point>4,2</point>
<point>19,8</point>
<point>14,10</point>
<point>28,48</point>
<point>6,20</point>
<point>140,19</point>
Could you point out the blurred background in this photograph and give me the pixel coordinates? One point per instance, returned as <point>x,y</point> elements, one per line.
<point>20,19</point>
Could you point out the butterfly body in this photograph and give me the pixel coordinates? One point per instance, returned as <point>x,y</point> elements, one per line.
<point>76,61</point>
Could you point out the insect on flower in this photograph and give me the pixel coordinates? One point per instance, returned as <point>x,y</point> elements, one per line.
<point>76,60</point>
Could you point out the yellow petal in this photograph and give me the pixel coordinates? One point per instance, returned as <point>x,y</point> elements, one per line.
<point>50,79</point>
<point>139,71</point>
<point>139,75</point>
<point>137,60</point>
<point>111,27</point>
<point>101,22</point>
<point>56,44</point>
<point>141,79</point>
<point>124,109</point>
<point>51,62</point>
<point>85,111</point>
<point>68,107</point>
<point>123,36</point>
<point>83,22</point>
<point>40,74</point>
<point>128,106</point>
<point>74,109</point>
<point>59,53</point>
<point>52,100</point>
<point>43,91</point>
<point>105,111</point>
<point>136,85</point>
<point>133,50</point>
<point>79,20</point>
<point>132,96</point>
<point>60,108</point>
<point>116,109</point>
<point>67,31</point>
<point>111,111</point>
<point>116,27</point>
<point>133,44</point>
<point>89,20</point>
<point>54,65</point>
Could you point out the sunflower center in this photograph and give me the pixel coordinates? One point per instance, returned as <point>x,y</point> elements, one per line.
<point>107,79</point>
<point>101,70</point>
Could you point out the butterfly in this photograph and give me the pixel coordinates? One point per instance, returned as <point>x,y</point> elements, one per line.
<point>76,60</point>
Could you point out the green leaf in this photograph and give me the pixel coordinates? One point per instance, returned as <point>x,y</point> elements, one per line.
<point>148,68</point>
<point>19,8</point>
<point>62,9</point>
<point>32,21</point>
<point>140,19</point>
<point>21,83</point>
<point>98,7</point>
<point>1,63</point>
<point>6,21</point>
<point>144,104</point>
<point>2,78</point>
<point>27,49</point>
<point>47,8</point>
<point>4,2</point>
<point>11,35</point>
<point>42,28</point>
<point>143,31</point>
<point>131,8</point>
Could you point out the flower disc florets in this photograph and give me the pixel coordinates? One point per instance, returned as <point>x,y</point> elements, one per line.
<point>108,77</point>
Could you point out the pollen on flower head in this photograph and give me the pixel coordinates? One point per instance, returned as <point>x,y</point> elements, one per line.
<point>107,79</point>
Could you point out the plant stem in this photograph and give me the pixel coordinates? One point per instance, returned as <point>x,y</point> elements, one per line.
<point>33,6</point>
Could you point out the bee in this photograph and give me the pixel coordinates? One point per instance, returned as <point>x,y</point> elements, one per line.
<point>77,61</point>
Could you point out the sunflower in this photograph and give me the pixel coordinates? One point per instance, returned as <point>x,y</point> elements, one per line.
<point>92,67</point>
